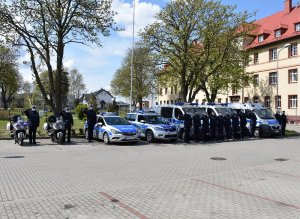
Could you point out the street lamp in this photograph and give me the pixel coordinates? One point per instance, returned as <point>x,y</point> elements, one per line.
<point>131,65</point>
<point>276,99</point>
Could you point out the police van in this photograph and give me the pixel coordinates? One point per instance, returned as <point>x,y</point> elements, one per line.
<point>266,124</point>
<point>152,126</point>
<point>218,109</point>
<point>174,114</point>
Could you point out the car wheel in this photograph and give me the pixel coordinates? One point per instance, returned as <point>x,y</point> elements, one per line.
<point>106,138</point>
<point>150,136</point>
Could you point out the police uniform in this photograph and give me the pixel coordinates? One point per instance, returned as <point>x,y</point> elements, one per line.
<point>197,126</point>
<point>33,123</point>
<point>187,127</point>
<point>68,120</point>
<point>227,125</point>
<point>235,126</point>
<point>205,127</point>
<point>252,123</point>
<point>213,127</point>
<point>243,123</point>
<point>221,127</point>
<point>283,119</point>
<point>91,121</point>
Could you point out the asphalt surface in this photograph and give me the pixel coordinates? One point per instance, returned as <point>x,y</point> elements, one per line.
<point>257,178</point>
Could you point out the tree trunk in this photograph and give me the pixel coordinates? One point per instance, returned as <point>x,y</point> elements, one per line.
<point>140,103</point>
<point>4,100</point>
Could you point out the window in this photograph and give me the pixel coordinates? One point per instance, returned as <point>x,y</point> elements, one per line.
<point>171,90</point>
<point>166,90</point>
<point>160,102</point>
<point>168,102</point>
<point>277,33</point>
<point>293,101</point>
<point>166,112</point>
<point>219,100</point>
<point>178,113</point>
<point>273,78</point>
<point>175,89</point>
<point>297,27</point>
<point>246,99</point>
<point>293,76</point>
<point>256,80</point>
<point>172,101</point>
<point>256,99</point>
<point>141,118</point>
<point>255,60</point>
<point>203,101</point>
<point>197,101</point>
<point>293,50</point>
<point>273,54</point>
<point>160,91</point>
<point>267,101</point>
<point>260,38</point>
<point>278,101</point>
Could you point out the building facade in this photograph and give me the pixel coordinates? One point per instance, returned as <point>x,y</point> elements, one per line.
<point>275,64</point>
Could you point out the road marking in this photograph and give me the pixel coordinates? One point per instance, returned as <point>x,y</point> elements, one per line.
<point>121,204</point>
<point>284,174</point>
<point>249,194</point>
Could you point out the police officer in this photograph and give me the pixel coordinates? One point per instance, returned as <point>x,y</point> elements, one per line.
<point>243,123</point>
<point>252,124</point>
<point>91,121</point>
<point>235,126</point>
<point>187,127</point>
<point>68,120</point>
<point>227,126</point>
<point>213,126</point>
<point>220,127</point>
<point>283,119</point>
<point>197,126</point>
<point>278,117</point>
<point>205,127</point>
<point>33,123</point>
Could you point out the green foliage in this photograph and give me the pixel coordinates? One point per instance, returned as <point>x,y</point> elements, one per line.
<point>79,111</point>
<point>200,41</point>
<point>53,25</point>
<point>10,78</point>
<point>93,100</point>
<point>144,75</point>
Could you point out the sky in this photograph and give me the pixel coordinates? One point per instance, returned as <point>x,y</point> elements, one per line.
<point>98,65</point>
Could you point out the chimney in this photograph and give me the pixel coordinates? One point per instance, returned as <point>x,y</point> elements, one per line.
<point>288,6</point>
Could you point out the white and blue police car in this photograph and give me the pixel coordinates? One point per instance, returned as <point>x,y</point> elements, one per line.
<point>152,126</point>
<point>112,128</point>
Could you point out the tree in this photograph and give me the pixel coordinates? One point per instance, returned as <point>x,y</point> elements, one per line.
<point>200,41</point>
<point>93,100</point>
<point>30,92</point>
<point>46,27</point>
<point>144,79</point>
<point>77,85</point>
<point>79,110</point>
<point>10,79</point>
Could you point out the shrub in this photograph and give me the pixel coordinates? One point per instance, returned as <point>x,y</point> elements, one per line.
<point>79,111</point>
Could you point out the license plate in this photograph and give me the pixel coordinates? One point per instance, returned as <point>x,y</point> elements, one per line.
<point>129,138</point>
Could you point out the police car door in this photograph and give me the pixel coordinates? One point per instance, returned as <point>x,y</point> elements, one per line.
<point>141,124</point>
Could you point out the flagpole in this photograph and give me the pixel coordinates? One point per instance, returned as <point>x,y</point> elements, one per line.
<point>132,53</point>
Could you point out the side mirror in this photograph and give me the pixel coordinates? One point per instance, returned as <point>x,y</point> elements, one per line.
<point>100,124</point>
<point>142,121</point>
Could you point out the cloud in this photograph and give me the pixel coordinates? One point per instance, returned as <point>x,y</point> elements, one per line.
<point>144,15</point>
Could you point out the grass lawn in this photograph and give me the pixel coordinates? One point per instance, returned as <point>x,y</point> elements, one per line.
<point>78,124</point>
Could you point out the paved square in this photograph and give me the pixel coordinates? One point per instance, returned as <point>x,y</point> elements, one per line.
<point>162,180</point>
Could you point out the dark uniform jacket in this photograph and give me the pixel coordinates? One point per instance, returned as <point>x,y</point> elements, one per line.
<point>91,116</point>
<point>187,121</point>
<point>67,117</point>
<point>197,121</point>
<point>33,118</point>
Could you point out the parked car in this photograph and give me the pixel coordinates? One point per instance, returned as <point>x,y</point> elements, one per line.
<point>112,128</point>
<point>153,126</point>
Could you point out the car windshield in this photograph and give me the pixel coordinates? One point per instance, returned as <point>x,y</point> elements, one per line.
<point>115,121</point>
<point>224,110</point>
<point>193,110</point>
<point>263,114</point>
<point>155,119</point>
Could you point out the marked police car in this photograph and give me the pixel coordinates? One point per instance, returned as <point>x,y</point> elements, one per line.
<point>113,128</point>
<point>153,126</point>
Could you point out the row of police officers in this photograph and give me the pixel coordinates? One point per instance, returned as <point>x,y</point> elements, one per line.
<point>212,127</point>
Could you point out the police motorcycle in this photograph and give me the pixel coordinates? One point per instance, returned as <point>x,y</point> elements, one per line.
<point>56,129</point>
<point>17,128</point>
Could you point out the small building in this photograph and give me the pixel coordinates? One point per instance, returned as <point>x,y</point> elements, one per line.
<point>103,98</point>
